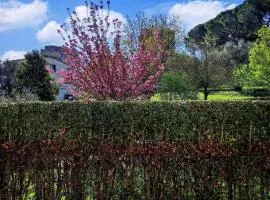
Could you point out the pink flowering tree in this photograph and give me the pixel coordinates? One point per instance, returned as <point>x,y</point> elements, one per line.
<point>102,68</point>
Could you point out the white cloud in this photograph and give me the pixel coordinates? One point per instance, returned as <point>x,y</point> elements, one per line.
<point>13,55</point>
<point>49,34</point>
<point>15,14</point>
<point>161,8</point>
<point>197,12</point>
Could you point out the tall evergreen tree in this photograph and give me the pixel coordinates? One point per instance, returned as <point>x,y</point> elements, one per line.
<point>240,23</point>
<point>33,76</point>
<point>7,77</point>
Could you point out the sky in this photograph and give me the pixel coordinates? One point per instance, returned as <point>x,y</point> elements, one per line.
<point>26,25</point>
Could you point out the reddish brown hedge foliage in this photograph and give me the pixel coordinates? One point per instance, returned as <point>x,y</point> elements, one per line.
<point>134,150</point>
<point>76,170</point>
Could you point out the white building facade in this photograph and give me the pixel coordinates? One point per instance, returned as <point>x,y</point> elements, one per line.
<point>53,56</point>
<point>54,60</point>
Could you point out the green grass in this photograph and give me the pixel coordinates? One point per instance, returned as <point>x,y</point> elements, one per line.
<point>216,96</point>
<point>156,97</point>
<point>224,96</point>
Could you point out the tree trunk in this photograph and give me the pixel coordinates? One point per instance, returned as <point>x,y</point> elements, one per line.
<point>206,93</point>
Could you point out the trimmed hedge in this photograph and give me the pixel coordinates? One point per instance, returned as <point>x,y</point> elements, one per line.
<point>135,150</point>
<point>256,92</point>
<point>129,122</point>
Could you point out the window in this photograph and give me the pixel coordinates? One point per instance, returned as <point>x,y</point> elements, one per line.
<point>53,67</point>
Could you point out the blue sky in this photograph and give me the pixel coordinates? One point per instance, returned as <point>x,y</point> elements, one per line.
<point>31,24</point>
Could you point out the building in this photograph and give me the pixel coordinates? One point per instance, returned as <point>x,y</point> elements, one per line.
<point>54,59</point>
<point>53,56</point>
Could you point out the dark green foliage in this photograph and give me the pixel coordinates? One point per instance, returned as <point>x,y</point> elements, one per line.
<point>34,77</point>
<point>135,150</point>
<point>185,65</point>
<point>256,92</point>
<point>209,69</point>
<point>7,77</point>
<point>128,121</point>
<point>181,63</point>
<point>243,22</point>
<point>174,83</point>
<point>197,34</point>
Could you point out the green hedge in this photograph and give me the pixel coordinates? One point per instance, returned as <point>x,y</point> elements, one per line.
<point>137,121</point>
<point>135,150</point>
<point>256,91</point>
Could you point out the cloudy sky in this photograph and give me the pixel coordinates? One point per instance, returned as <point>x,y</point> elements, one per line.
<point>30,24</point>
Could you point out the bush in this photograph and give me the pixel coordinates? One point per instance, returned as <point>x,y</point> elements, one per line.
<point>256,91</point>
<point>135,150</point>
<point>173,86</point>
<point>34,79</point>
<point>237,88</point>
<point>127,121</point>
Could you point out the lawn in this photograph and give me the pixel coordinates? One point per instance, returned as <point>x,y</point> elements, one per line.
<point>216,96</point>
<point>224,96</point>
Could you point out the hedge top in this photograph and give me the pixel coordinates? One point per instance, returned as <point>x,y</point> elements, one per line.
<point>127,122</point>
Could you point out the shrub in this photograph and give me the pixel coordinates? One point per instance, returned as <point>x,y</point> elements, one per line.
<point>127,121</point>
<point>135,150</point>
<point>34,79</point>
<point>173,83</point>
<point>256,91</point>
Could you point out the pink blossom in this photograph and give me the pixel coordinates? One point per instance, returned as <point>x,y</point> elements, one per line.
<point>97,70</point>
<point>49,69</point>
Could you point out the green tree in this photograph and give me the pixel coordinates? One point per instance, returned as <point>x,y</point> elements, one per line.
<point>172,31</point>
<point>244,77</point>
<point>257,72</point>
<point>185,65</point>
<point>242,22</point>
<point>173,83</point>
<point>203,66</point>
<point>33,76</point>
<point>7,77</point>
<point>209,67</point>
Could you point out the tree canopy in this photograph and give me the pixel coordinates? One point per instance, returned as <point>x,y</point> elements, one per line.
<point>257,72</point>
<point>104,70</point>
<point>7,77</point>
<point>33,76</point>
<point>242,22</point>
<point>172,31</point>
